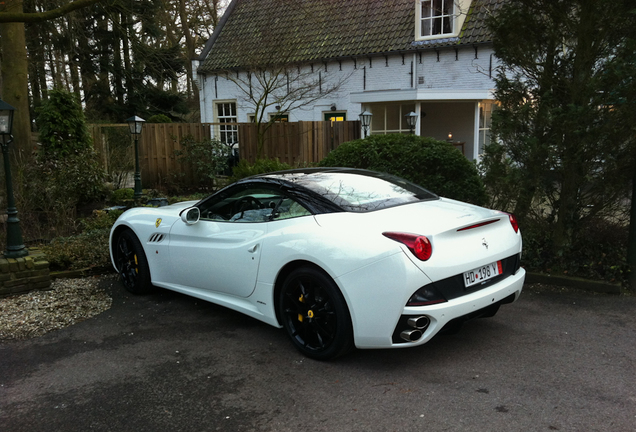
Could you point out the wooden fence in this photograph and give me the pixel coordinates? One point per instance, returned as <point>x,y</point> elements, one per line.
<point>298,142</point>
<point>294,143</point>
<point>158,143</point>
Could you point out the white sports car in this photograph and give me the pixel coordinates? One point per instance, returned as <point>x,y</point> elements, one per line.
<point>338,257</point>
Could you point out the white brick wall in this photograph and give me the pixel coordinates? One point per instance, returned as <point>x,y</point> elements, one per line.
<point>449,73</point>
<point>457,71</point>
<point>457,77</point>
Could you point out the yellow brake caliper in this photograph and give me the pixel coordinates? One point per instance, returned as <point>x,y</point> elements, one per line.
<point>302,300</point>
<point>136,265</point>
<point>310,313</point>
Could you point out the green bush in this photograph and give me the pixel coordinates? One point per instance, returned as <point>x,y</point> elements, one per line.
<point>62,126</point>
<point>86,250</point>
<point>78,177</point>
<point>599,253</point>
<point>89,249</point>
<point>261,166</point>
<point>500,177</point>
<point>207,158</point>
<point>119,196</point>
<point>66,172</point>
<point>435,165</point>
<point>159,118</point>
<point>100,219</point>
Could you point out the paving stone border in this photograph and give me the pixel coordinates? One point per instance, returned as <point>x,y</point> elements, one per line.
<point>24,274</point>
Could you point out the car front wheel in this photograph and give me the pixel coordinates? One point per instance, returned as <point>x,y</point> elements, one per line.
<point>132,264</point>
<point>315,315</point>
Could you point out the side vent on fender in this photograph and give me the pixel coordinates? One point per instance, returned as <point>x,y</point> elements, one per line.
<point>156,238</point>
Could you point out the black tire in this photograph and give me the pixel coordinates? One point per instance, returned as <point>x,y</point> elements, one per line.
<point>132,264</point>
<point>315,315</point>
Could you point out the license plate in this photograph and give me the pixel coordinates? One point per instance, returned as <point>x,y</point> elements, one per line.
<point>482,274</point>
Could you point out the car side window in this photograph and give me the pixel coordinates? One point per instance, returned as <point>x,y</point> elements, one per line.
<point>256,204</point>
<point>288,208</point>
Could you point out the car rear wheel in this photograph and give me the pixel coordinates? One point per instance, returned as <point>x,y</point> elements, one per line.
<point>315,315</point>
<point>132,264</point>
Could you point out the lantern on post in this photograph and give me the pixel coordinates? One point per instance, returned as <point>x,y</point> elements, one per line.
<point>365,119</point>
<point>15,245</point>
<point>411,120</point>
<point>135,124</point>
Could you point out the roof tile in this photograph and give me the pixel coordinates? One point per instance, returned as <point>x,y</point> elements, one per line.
<point>258,33</point>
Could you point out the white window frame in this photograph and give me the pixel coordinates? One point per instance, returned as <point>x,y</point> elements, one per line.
<point>226,134</point>
<point>456,15</point>
<point>380,110</point>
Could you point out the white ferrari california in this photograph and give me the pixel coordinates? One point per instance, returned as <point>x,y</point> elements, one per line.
<point>338,257</point>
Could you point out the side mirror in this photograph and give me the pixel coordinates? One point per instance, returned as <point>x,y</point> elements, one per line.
<point>191,215</point>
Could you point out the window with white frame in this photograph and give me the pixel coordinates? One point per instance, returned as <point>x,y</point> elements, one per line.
<point>437,17</point>
<point>390,118</point>
<point>226,113</point>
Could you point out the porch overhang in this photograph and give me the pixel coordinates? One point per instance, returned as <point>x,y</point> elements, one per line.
<point>422,95</point>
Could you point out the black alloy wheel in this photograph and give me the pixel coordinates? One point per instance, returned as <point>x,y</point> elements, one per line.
<point>132,264</point>
<point>315,315</point>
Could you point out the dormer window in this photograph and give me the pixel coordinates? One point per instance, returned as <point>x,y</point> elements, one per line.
<point>437,17</point>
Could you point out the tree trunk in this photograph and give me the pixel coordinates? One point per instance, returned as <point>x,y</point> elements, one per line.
<point>118,67</point>
<point>15,81</point>
<point>190,52</point>
<point>86,66</point>
<point>37,74</point>
<point>631,246</point>
<point>69,24</point>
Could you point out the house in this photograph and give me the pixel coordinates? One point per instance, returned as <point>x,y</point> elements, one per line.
<point>432,59</point>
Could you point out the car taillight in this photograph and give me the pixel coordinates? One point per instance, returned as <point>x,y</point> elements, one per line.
<point>419,245</point>
<point>513,222</point>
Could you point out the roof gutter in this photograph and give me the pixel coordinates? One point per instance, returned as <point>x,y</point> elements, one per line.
<point>411,50</point>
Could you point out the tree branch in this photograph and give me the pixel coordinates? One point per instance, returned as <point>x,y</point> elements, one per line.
<point>10,17</point>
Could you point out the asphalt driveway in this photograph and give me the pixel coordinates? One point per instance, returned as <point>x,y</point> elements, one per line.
<point>561,361</point>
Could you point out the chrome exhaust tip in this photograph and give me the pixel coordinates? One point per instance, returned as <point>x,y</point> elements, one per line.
<point>411,335</point>
<point>419,323</point>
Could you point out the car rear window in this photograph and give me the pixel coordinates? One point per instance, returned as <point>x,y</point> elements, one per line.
<point>360,193</point>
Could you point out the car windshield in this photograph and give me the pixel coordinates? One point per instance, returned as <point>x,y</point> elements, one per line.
<point>360,192</point>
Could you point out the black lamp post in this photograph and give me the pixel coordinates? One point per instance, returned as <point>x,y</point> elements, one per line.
<point>365,119</point>
<point>411,120</point>
<point>15,245</point>
<point>136,124</point>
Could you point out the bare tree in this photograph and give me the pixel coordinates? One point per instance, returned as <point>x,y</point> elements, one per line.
<point>272,92</point>
<point>273,76</point>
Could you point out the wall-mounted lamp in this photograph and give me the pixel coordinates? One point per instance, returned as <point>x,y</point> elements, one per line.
<point>450,137</point>
<point>333,107</point>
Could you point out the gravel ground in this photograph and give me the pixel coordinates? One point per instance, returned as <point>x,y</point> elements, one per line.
<point>69,301</point>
